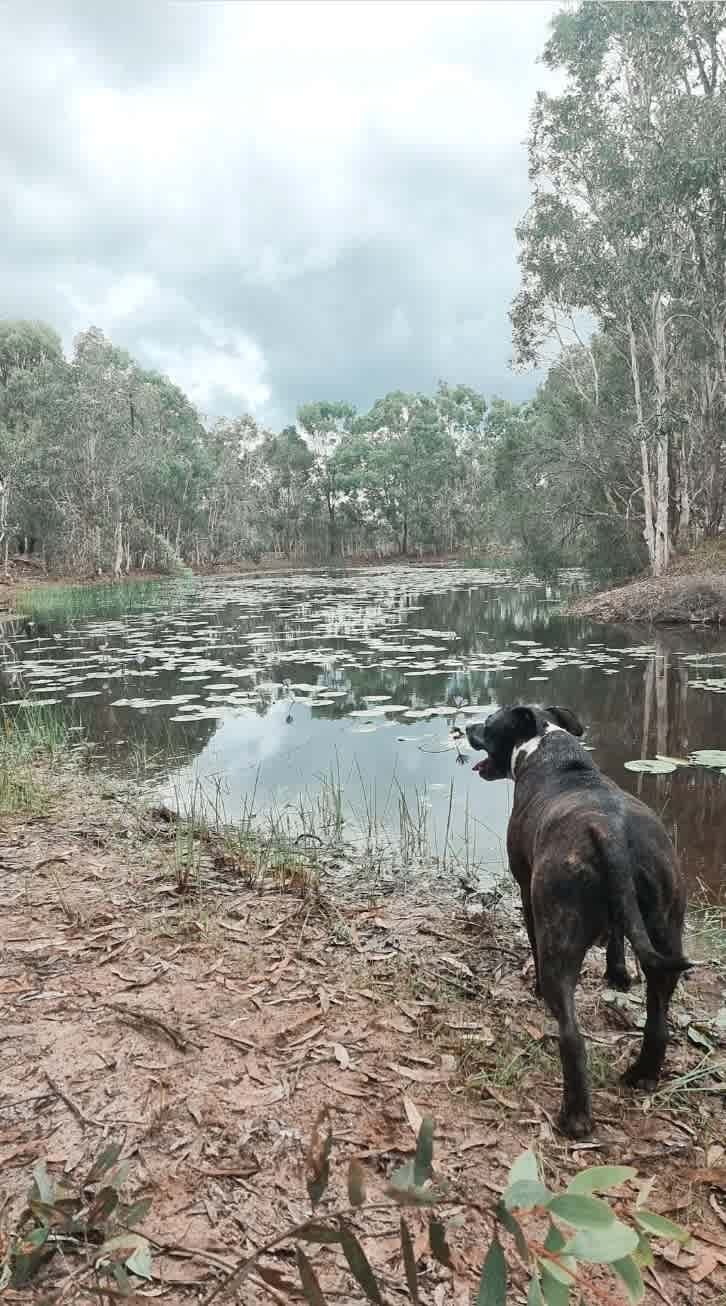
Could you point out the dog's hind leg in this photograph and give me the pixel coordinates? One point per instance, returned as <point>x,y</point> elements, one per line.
<point>558,977</point>
<point>645,1070</point>
<point>616,974</point>
<point>529,923</point>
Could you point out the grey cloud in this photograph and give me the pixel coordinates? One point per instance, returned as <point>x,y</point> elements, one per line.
<point>272,224</point>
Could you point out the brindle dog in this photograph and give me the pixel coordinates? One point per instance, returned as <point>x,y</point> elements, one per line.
<point>593,865</point>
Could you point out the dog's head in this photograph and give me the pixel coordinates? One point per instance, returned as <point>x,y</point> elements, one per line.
<point>506,729</point>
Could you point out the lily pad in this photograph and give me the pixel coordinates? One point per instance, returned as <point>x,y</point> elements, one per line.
<point>712,757</point>
<point>651,766</point>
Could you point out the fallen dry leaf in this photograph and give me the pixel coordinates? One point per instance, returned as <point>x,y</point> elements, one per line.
<point>250,1099</point>
<point>422,1076</point>
<point>674,1254</point>
<point>348,1090</point>
<point>716,1239</point>
<point>715,1175</point>
<point>707,1263</point>
<point>716,1206</point>
<point>398,1024</point>
<point>456,964</point>
<point>479,1140</point>
<point>714,1154</point>
<point>499,1097</point>
<point>341,1056</point>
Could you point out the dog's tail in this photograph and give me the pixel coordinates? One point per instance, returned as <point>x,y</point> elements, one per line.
<point>624,905</point>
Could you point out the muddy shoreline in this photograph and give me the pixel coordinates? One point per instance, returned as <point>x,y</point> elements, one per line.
<point>202,1021</point>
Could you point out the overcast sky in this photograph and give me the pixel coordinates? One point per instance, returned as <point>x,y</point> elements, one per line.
<point>272,202</point>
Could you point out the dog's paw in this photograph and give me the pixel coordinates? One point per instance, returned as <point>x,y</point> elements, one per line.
<point>618,979</point>
<point>636,1077</point>
<point>575,1124</point>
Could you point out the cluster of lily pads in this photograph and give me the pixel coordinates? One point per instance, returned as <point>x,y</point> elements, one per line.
<point>714,759</point>
<point>236,644</point>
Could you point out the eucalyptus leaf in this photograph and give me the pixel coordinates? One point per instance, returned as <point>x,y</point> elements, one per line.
<point>440,1249</point>
<point>311,1288</point>
<point>603,1245</point>
<point>44,1185</point>
<point>581,1211</point>
<point>661,1227</point>
<point>554,1291</point>
<point>423,1161</point>
<point>493,1281</point>
<point>601,1178</point>
<point>359,1264</point>
<point>409,1263</point>
<point>524,1194</point>
<point>104,1161</point>
<point>525,1167</point>
<point>627,1270</point>
<point>534,1295</point>
<point>356,1183</point>
<point>139,1262</point>
<point>513,1226</point>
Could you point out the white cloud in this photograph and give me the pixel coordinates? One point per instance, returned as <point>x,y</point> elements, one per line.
<point>273,201</point>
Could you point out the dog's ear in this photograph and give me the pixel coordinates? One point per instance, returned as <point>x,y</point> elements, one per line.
<point>567,719</point>
<point>525,720</point>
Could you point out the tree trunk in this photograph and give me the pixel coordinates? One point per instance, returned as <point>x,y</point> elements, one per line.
<point>648,516</point>
<point>663,480</point>
<point>118,560</point>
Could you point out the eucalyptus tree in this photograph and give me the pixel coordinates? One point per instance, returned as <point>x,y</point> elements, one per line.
<point>627,226</point>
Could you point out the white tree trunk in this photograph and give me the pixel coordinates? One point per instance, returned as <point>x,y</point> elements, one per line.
<point>663,486</point>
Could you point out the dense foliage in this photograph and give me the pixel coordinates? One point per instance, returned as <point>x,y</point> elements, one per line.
<point>108,467</point>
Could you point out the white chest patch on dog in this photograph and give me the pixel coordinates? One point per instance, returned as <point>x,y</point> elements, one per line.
<point>531,746</point>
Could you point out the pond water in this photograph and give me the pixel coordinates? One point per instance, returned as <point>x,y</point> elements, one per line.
<point>325,701</point>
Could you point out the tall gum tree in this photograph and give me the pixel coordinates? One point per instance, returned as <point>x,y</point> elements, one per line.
<point>627,226</point>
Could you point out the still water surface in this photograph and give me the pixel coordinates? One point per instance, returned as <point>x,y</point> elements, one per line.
<point>336,692</point>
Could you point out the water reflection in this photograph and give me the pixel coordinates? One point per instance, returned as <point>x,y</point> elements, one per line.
<point>249,684</point>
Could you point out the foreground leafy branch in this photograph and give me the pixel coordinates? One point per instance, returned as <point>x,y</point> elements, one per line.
<point>91,1219</point>
<point>560,1240</point>
<point>557,1238</point>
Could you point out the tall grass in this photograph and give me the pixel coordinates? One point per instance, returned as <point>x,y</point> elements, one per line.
<point>108,600</point>
<point>351,829</point>
<point>37,732</point>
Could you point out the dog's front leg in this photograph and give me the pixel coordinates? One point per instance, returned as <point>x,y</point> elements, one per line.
<point>522,872</point>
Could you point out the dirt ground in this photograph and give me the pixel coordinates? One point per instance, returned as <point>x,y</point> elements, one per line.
<point>204,1032</point>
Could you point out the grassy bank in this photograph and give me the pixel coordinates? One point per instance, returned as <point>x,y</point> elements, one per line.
<point>196,994</point>
<point>56,601</point>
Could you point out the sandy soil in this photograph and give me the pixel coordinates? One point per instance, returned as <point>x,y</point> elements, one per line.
<point>204,1031</point>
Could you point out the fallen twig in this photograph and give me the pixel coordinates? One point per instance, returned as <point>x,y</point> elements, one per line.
<point>180,1041</point>
<point>73,1107</point>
